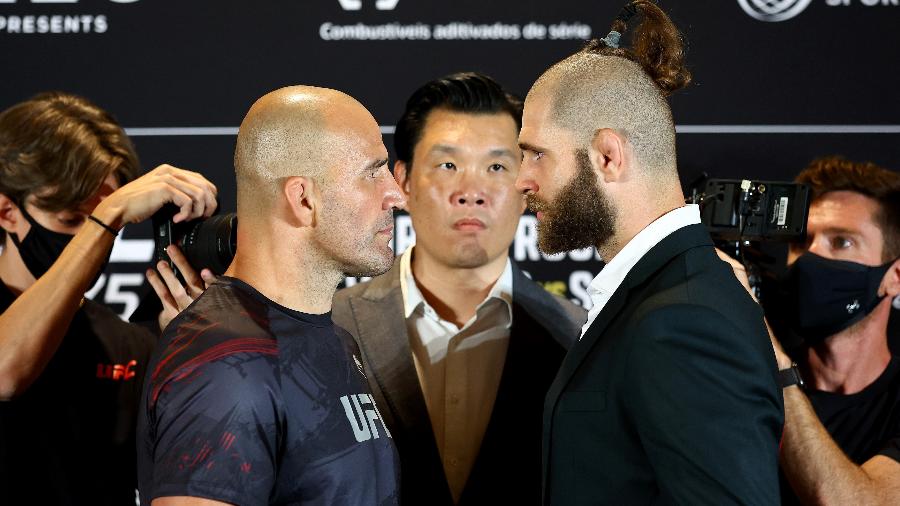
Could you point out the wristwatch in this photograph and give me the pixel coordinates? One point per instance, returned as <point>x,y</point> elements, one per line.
<point>790,377</point>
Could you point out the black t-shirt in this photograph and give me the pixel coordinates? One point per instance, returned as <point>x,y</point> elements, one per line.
<point>251,403</point>
<point>864,424</point>
<point>69,438</point>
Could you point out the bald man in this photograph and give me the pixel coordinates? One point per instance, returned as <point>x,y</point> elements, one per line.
<point>254,397</point>
<point>671,394</point>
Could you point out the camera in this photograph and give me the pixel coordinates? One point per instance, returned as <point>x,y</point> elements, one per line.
<point>208,243</point>
<point>741,210</point>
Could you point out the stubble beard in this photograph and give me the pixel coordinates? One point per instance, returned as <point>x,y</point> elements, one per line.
<point>580,217</point>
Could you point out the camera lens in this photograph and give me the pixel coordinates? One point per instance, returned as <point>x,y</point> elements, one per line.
<point>211,243</point>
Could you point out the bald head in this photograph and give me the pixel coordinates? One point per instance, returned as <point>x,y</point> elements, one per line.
<point>294,131</point>
<point>589,91</point>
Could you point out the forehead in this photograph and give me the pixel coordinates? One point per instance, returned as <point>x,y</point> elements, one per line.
<point>844,210</point>
<point>468,130</point>
<point>538,126</point>
<point>358,135</point>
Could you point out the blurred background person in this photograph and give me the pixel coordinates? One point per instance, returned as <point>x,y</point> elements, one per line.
<point>70,369</point>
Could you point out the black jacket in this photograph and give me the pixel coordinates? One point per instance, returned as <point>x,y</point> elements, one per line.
<point>672,396</point>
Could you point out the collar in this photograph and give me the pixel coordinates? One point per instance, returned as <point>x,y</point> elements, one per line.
<point>412,296</point>
<point>613,274</point>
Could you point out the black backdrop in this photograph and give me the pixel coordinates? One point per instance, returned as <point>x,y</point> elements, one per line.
<point>768,95</point>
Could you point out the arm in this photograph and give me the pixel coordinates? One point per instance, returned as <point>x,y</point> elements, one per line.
<point>34,325</point>
<point>212,419</point>
<point>819,472</point>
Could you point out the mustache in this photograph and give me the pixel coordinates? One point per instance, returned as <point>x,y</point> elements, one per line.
<point>535,204</point>
<point>388,221</point>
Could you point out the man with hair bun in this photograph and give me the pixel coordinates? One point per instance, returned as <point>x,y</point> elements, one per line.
<point>671,394</point>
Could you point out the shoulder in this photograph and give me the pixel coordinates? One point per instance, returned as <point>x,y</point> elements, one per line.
<point>383,289</point>
<point>222,346</point>
<point>558,316</point>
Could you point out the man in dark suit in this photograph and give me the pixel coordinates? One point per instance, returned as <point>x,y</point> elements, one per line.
<point>459,345</point>
<point>671,394</point>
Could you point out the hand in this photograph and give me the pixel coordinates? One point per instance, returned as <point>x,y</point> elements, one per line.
<point>138,200</point>
<point>176,297</point>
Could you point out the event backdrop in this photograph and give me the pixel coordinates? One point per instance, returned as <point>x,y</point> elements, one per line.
<point>777,82</point>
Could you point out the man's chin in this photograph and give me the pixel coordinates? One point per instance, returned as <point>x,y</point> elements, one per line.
<point>375,264</point>
<point>552,244</point>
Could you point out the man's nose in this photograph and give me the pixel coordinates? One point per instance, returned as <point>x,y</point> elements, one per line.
<point>393,197</point>
<point>525,183</point>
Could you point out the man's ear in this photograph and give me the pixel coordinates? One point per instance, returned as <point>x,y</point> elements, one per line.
<point>301,198</point>
<point>890,283</point>
<point>608,154</point>
<point>10,217</point>
<point>401,174</point>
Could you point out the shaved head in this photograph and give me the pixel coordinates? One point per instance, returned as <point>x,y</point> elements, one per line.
<point>589,91</point>
<point>292,131</point>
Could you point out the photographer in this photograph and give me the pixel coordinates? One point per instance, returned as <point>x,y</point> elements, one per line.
<point>70,369</point>
<point>842,429</point>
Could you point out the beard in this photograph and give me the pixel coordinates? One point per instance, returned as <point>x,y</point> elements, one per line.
<point>347,248</point>
<point>581,216</point>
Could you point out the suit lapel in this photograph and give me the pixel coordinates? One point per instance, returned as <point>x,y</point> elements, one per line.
<point>671,246</point>
<point>384,341</point>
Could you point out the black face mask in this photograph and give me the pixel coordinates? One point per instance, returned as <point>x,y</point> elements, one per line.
<point>40,247</point>
<point>826,296</point>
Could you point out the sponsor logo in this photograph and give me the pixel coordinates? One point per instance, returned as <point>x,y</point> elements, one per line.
<point>54,23</point>
<point>355,5</point>
<point>773,10</point>
<point>362,421</point>
<point>782,10</point>
<point>116,372</point>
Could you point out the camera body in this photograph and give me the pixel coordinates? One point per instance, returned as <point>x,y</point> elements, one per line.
<point>207,243</point>
<point>744,210</point>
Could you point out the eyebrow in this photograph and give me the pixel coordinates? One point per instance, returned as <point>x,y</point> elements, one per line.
<point>444,148</point>
<point>452,150</point>
<point>841,230</point>
<point>524,146</point>
<point>376,164</point>
<point>503,152</point>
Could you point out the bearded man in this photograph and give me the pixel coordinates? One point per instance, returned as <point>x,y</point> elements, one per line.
<point>671,394</point>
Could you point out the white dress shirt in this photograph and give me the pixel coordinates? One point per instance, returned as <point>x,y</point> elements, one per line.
<point>607,282</point>
<point>459,369</point>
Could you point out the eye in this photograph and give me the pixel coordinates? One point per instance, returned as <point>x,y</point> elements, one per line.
<point>841,242</point>
<point>536,155</point>
<point>447,166</point>
<point>496,167</point>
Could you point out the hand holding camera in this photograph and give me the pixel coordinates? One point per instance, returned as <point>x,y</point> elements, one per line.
<point>193,194</point>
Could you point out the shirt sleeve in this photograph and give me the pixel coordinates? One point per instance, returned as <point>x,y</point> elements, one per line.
<point>214,430</point>
<point>892,448</point>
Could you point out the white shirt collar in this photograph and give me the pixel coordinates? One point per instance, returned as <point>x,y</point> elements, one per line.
<point>613,274</point>
<point>412,296</point>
